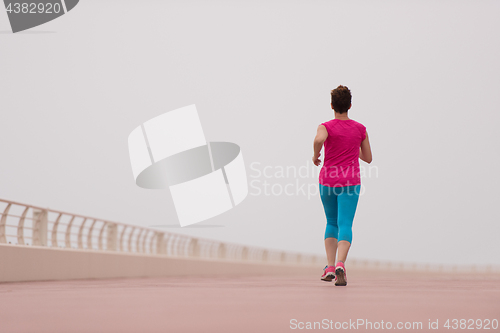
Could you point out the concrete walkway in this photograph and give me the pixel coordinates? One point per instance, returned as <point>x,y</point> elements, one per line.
<point>248,304</point>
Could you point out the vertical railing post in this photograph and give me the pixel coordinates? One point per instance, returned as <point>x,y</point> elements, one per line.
<point>167,244</point>
<point>221,253</point>
<point>67,235</point>
<point>160,249</point>
<point>101,232</point>
<point>152,240</point>
<point>122,237</point>
<point>194,248</point>
<point>144,238</point>
<point>112,239</point>
<point>89,236</point>
<point>244,253</point>
<point>80,234</point>
<point>54,231</point>
<point>265,255</point>
<point>20,227</point>
<point>175,245</point>
<point>183,246</point>
<point>137,242</point>
<point>129,243</point>
<point>3,222</point>
<point>40,221</point>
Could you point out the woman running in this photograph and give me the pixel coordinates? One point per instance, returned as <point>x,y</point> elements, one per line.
<point>345,142</point>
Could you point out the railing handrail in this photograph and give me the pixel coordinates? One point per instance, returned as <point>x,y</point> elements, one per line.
<point>66,213</point>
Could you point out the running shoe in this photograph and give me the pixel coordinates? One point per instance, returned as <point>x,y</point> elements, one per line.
<point>328,273</point>
<point>340,274</point>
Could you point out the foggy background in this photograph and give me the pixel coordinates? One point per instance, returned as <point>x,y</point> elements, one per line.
<point>425,79</point>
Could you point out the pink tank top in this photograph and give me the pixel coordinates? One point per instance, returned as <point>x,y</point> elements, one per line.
<point>341,153</point>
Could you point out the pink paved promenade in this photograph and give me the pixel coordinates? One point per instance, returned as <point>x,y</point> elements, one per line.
<point>248,304</point>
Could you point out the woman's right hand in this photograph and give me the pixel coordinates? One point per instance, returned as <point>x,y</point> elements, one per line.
<point>316,160</point>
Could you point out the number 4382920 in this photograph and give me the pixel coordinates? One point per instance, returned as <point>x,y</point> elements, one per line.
<point>33,8</point>
<point>471,324</point>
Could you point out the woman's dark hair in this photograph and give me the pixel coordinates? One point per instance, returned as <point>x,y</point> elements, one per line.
<point>341,99</point>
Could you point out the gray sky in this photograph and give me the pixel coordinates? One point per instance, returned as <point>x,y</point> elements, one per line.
<point>424,77</point>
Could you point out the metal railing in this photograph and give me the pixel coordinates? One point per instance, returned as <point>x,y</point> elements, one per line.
<point>30,225</point>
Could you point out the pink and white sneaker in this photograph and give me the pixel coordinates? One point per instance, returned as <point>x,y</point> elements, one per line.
<point>340,274</point>
<point>328,273</point>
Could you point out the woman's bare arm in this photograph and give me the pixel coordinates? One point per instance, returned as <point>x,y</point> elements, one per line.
<point>365,151</point>
<point>320,138</point>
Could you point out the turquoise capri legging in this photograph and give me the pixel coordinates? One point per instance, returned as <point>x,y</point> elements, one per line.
<point>340,206</point>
